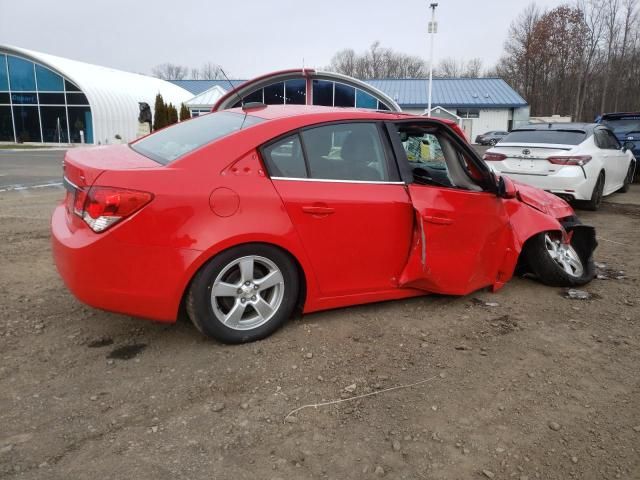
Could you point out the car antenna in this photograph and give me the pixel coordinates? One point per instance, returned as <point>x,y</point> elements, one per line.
<point>233,89</point>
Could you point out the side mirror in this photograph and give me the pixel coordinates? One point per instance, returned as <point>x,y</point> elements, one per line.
<point>628,146</point>
<point>506,188</point>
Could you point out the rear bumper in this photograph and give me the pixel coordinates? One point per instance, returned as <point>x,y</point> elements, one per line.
<point>567,182</point>
<point>104,273</point>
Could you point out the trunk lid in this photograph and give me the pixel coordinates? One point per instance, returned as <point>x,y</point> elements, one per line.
<point>82,166</point>
<point>530,158</point>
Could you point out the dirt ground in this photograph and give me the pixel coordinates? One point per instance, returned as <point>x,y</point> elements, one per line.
<point>537,386</point>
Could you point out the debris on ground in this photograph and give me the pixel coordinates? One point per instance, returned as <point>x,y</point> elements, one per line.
<point>575,294</point>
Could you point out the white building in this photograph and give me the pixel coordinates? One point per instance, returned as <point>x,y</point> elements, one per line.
<point>45,98</point>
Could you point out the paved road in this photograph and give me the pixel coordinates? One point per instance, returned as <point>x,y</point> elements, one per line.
<point>29,168</point>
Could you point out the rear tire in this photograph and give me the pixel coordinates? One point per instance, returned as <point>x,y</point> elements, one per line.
<point>628,179</point>
<point>557,264</point>
<point>243,294</point>
<point>596,196</point>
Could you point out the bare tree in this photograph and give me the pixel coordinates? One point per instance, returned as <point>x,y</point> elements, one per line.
<point>377,62</point>
<point>170,71</point>
<point>210,71</point>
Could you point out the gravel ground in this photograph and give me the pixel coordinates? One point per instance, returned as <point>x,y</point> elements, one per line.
<point>537,386</point>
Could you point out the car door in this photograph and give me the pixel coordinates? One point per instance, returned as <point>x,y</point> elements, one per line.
<point>612,159</point>
<point>344,196</point>
<point>462,236</point>
<point>619,160</point>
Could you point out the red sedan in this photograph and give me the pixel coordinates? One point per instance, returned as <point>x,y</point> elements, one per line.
<point>240,217</point>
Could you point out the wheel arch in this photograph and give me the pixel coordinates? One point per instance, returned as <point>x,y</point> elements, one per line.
<point>303,269</point>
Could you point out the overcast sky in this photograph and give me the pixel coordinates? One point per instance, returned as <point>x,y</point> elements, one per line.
<point>252,37</point>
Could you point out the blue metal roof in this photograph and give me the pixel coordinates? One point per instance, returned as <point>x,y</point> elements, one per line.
<point>412,93</point>
<point>451,92</point>
<point>198,86</point>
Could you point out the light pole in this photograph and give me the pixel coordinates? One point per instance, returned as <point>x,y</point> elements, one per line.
<point>433,29</point>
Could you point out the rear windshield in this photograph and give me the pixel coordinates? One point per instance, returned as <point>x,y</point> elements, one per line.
<point>623,126</point>
<point>557,137</point>
<point>170,143</point>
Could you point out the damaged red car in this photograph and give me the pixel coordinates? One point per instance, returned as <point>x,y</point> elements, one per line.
<point>242,217</point>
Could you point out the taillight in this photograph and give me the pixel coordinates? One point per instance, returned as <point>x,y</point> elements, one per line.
<point>570,160</point>
<point>494,157</point>
<point>102,207</point>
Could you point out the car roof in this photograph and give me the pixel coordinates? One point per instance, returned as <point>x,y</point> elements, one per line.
<point>574,126</point>
<point>273,112</point>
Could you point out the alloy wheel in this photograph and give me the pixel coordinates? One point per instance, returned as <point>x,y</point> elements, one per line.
<point>564,255</point>
<point>247,293</point>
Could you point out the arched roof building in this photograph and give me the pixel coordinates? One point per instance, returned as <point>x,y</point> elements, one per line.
<point>307,87</point>
<point>45,98</point>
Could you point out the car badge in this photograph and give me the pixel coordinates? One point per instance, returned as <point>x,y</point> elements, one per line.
<point>526,151</point>
<point>629,138</point>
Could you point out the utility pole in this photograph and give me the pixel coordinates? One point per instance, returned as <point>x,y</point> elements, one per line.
<point>433,29</point>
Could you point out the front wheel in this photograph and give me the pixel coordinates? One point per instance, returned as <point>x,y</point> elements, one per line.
<point>556,263</point>
<point>628,179</point>
<point>243,294</point>
<point>493,142</point>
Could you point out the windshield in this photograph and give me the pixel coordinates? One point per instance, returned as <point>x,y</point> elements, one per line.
<point>170,143</point>
<point>555,137</point>
<point>623,126</point>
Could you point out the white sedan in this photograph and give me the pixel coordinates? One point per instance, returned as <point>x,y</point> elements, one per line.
<point>576,161</point>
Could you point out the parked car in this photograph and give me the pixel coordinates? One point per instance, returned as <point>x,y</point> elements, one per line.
<point>576,161</point>
<point>626,127</point>
<point>491,138</point>
<point>240,218</point>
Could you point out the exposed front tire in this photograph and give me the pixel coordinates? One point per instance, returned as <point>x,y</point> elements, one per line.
<point>628,179</point>
<point>493,142</point>
<point>596,196</point>
<point>558,264</point>
<point>243,294</point>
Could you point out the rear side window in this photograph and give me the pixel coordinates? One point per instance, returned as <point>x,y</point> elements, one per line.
<point>170,143</point>
<point>557,137</point>
<point>285,158</point>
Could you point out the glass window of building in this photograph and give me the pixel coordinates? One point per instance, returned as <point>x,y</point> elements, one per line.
<point>345,96</point>
<point>323,93</point>
<point>6,124</point>
<point>27,122</point>
<point>364,100</point>
<point>48,81</point>
<point>274,94</point>
<point>80,120</point>
<point>35,108</point>
<point>296,91</point>
<point>4,80</point>
<point>21,74</point>
<point>54,124</point>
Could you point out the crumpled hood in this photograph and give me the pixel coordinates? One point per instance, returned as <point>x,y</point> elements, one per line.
<point>544,201</point>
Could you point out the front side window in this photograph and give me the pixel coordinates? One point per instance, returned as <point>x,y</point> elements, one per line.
<point>435,159</point>
<point>348,151</point>
<point>170,143</point>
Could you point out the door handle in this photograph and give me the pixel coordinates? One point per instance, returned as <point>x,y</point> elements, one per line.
<point>317,210</point>
<point>437,220</point>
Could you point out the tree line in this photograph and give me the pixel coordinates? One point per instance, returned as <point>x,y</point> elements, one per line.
<point>382,62</point>
<point>171,71</point>
<point>579,59</point>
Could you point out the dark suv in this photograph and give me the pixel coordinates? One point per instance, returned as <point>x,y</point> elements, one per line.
<point>626,127</point>
<point>491,138</point>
